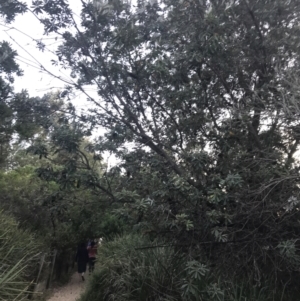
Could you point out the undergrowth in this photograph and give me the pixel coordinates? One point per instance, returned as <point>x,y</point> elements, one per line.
<point>19,257</point>
<point>127,271</point>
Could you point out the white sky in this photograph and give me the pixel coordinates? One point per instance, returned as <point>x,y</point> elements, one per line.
<point>22,35</point>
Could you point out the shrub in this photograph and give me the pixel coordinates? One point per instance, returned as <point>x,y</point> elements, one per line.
<point>19,257</point>
<point>128,271</point>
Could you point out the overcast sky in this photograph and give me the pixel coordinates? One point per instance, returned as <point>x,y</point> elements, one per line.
<point>22,35</point>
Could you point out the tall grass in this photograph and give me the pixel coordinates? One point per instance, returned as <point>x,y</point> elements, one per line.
<point>18,259</point>
<point>125,271</point>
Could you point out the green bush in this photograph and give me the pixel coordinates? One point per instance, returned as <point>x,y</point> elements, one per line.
<point>19,257</point>
<point>127,271</point>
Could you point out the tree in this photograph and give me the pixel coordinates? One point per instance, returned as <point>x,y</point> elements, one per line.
<point>10,9</point>
<point>8,67</point>
<point>17,120</point>
<point>198,88</point>
<point>58,213</point>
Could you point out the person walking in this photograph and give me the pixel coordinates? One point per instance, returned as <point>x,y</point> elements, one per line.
<point>92,251</point>
<point>82,258</point>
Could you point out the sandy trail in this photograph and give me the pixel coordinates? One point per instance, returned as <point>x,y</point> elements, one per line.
<point>71,291</point>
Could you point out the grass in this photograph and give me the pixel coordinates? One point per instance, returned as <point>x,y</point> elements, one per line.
<point>18,260</point>
<point>124,272</point>
<point>127,272</point>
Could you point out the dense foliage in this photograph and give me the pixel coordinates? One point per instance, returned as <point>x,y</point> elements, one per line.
<point>20,249</point>
<point>19,258</point>
<point>55,215</point>
<point>199,103</point>
<point>128,271</point>
<point>199,90</point>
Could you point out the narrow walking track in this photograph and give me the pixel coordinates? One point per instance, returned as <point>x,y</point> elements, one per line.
<point>71,291</point>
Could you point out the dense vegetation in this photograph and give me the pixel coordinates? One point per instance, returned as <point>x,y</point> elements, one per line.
<point>38,215</point>
<point>199,103</point>
<point>19,257</point>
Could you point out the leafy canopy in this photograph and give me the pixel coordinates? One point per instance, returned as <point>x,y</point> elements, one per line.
<point>198,100</point>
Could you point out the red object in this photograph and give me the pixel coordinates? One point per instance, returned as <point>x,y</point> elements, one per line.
<point>92,251</point>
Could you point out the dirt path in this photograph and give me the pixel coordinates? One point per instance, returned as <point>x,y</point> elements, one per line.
<point>71,291</point>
